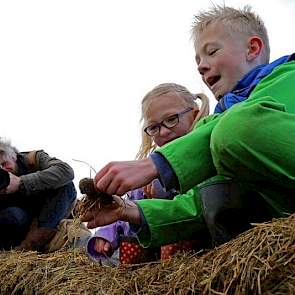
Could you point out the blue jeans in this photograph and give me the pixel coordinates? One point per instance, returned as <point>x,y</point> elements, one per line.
<point>14,224</point>
<point>57,205</point>
<point>18,211</point>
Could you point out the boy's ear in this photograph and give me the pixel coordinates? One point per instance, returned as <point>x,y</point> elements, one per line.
<point>255,45</point>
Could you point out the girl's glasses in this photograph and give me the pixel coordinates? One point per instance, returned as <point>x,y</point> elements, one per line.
<point>169,123</point>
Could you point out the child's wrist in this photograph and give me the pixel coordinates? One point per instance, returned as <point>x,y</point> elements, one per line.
<point>131,214</point>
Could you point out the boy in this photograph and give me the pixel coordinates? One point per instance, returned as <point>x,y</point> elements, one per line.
<point>250,143</point>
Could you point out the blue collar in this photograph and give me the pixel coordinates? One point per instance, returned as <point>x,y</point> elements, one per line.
<point>245,86</point>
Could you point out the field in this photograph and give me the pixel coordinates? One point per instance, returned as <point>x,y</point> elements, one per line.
<point>260,261</point>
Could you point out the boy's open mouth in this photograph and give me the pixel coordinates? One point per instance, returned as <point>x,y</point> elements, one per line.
<point>212,80</point>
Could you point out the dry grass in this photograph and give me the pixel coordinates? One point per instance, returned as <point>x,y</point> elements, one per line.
<point>260,261</point>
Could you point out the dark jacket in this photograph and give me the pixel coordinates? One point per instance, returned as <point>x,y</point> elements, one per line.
<point>39,172</point>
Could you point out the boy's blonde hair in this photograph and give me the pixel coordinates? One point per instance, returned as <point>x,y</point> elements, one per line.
<point>243,21</point>
<point>147,144</point>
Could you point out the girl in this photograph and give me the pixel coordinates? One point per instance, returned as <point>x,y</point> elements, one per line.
<point>169,111</point>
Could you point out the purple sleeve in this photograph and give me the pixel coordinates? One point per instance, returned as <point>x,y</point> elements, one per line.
<point>136,194</point>
<point>110,233</point>
<point>161,193</point>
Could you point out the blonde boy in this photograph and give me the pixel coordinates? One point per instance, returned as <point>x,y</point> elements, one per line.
<point>249,140</point>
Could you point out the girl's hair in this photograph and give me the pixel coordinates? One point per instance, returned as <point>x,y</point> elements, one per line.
<point>147,144</point>
<point>243,21</point>
<point>6,149</point>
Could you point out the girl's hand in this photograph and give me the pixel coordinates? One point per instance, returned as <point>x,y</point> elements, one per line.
<point>103,246</point>
<point>149,191</point>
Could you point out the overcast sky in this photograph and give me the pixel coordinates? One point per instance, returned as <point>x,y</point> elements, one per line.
<point>73,73</point>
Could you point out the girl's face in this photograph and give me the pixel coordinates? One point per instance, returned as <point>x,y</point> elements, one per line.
<point>160,108</point>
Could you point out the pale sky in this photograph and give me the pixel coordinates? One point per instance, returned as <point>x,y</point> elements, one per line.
<point>73,73</point>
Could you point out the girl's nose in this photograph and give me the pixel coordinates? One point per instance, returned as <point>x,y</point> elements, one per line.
<point>164,131</point>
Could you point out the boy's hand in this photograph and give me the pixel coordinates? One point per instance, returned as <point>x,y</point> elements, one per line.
<point>103,246</point>
<point>119,209</point>
<point>117,178</point>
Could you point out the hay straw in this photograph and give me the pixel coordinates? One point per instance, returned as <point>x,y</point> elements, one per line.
<point>260,261</point>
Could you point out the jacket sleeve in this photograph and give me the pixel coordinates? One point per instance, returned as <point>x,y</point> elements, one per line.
<point>51,173</point>
<point>113,232</point>
<point>182,219</point>
<point>190,157</point>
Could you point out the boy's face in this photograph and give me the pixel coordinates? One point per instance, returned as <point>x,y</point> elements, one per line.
<point>221,58</point>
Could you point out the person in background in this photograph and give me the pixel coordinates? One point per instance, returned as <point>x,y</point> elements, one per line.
<point>168,112</point>
<point>39,195</point>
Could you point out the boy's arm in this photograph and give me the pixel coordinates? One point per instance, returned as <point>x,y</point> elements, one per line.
<point>182,219</point>
<point>188,158</point>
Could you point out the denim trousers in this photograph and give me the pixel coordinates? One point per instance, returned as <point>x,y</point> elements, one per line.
<point>18,211</point>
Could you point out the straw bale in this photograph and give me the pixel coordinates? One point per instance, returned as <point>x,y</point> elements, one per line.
<point>260,261</point>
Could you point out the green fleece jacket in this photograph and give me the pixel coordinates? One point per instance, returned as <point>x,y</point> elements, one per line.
<point>252,142</point>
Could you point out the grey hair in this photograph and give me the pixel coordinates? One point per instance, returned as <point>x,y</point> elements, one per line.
<point>243,21</point>
<point>6,149</point>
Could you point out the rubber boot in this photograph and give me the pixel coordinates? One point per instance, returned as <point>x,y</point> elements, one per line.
<point>223,211</point>
<point>229,210</point>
